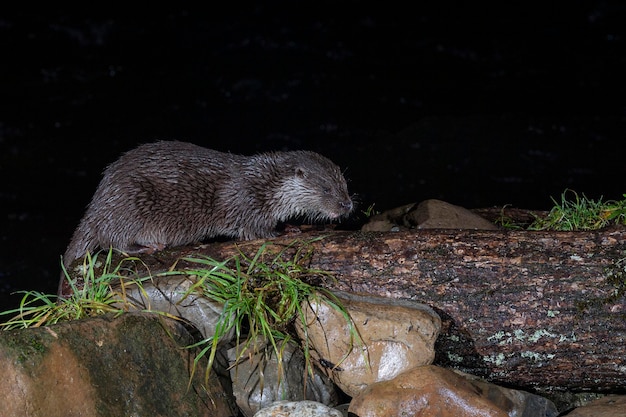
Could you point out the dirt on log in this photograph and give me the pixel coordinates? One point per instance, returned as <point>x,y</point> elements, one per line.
<point>544,310</point>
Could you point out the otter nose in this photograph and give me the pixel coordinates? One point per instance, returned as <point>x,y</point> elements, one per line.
<point>347,205</point>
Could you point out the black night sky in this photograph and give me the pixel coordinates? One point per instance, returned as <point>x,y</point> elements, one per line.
<point>478,106</point>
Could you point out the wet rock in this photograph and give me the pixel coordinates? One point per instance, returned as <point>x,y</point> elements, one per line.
<point>389,220</point>
<point>128,366</point>
<point>515,402</point>
<point>344,409</point>
<point>172,295</point>
<point>298,409</point>
<point>437,214</point>
<point>255,378</point>
<point>609,406</point>
<point>397,335</point>
<point>430,390</point>
<point>429,214</point>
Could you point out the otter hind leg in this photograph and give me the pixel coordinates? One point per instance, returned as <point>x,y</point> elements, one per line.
<point>146,248</point>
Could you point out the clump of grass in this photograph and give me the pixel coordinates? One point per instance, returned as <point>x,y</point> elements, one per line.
<point>507,222</point>
<point>581,213</point>
<point>370,211</point>
<point>261,298</point>
<point>95,297</point>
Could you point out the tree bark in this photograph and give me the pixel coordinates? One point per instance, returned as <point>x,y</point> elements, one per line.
<point>541,310</point>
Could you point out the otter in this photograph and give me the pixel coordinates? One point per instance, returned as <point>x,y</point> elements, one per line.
<point>171,193</point>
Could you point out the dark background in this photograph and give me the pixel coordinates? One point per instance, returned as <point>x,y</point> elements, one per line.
<point>477,106</point>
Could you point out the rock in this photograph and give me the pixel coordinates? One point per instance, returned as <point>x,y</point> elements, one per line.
<point>298,409</point>
<point>397,334</point>
<point>437,214</point>
<point>609,406</point>
<point>430,390</point>
<point>429,214</point>
<point>255,379</point>
<point>173,295</point>
<point>344,409</point>
<point>132,365</point>
<point>389,220</point>
<point>568,400</point>
<point>515,402</point>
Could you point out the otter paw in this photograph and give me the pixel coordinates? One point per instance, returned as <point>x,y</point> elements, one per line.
<point>291,230</point>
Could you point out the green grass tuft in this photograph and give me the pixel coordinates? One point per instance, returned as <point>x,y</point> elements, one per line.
<point>261,297</point>
<point>95,297</point>
<point>370,211</point>
<point>507,222</point>
<point>581,213</point>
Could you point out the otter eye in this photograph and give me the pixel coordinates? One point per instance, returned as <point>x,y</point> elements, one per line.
<point>326,190</point>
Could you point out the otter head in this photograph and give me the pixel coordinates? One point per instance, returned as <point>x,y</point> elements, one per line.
<point>314,187</point>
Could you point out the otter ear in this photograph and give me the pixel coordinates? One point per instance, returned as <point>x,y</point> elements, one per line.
<point>300,172</point>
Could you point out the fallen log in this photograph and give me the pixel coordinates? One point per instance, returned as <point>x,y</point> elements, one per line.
<point>542,310</point>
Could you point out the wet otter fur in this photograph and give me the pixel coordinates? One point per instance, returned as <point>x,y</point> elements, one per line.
<point>171,193</point>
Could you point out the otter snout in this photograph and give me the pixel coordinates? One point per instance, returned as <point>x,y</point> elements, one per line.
<point>347,206</point>
<point>344,208</point>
